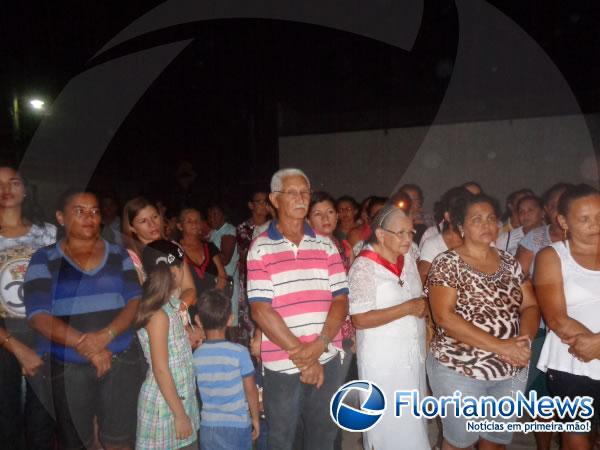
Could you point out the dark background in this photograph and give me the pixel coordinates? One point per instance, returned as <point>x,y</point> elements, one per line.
<point>225,100</point>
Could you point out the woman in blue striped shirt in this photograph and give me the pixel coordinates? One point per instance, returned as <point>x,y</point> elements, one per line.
<point>82,295</point>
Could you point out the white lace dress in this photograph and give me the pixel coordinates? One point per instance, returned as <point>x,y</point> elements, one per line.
<point>392,355</point>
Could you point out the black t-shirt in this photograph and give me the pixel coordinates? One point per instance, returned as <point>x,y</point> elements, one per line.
<point>205,275</point>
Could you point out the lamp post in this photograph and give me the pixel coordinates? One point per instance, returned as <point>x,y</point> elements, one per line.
<point>23,111</point>
<point>16,120</point>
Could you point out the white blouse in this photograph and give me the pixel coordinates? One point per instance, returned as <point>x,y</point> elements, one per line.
<point>582,294</point>
<point>374,287</point>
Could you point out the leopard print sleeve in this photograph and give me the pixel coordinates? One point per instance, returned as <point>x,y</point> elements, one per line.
<point>515,267</point>
<point>518,271</point>
<point>444,271</point>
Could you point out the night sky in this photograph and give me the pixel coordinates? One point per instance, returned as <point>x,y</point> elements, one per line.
<point>223,102</point>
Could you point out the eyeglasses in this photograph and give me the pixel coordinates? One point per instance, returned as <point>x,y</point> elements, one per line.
<point>478,220</point>
<point>262,201</point>
<point>401,234</point>
<point>295,194</point>
<point>80,211</point>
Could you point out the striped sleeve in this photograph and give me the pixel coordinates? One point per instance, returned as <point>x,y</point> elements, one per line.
<point>246,366</point>
<point>338,281</point>
<point>260,285</point>
<point>131,284</point>
<point>37,288</point>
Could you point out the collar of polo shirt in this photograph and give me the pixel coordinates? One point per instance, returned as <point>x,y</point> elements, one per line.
<point>276,235</point>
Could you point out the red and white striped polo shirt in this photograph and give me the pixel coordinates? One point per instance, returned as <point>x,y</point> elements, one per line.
<point>300,282</point>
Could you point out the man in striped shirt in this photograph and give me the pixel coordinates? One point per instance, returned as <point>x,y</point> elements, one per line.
<point>297,289</point>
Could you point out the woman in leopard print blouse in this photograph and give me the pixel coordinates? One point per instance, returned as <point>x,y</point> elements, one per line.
<point>486,316</point>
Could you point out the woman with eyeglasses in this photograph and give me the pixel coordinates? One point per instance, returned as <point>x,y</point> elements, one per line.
<point>81,296</point>
<point>21,234</point>
<point>202,258</point>
<point>486,316</point>
<point>388,309</point>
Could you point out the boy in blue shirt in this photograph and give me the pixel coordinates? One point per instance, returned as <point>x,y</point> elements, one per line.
<point>225,378</point>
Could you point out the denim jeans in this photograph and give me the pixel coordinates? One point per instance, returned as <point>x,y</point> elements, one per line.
<point>262,443</point>
<point>289,402</point>
<point>444,381</point>
<point>346,376</point>
<point>225,438</point>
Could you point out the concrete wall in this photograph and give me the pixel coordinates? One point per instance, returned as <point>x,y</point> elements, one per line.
<point>501,155</point>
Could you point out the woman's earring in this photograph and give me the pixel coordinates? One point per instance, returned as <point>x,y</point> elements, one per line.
<point>462,233</point>
<point>565,234</point>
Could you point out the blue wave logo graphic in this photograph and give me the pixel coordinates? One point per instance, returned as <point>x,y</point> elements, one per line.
<point>370,412</point>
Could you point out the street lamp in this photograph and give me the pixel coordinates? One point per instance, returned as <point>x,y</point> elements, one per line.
<point>26,111</point>
<point>37,104</point>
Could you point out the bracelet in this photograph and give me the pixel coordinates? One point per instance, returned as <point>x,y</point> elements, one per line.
<point>81,339</point>
<point>325,340</point>
<point>111,333</point>
<point>5,340</point>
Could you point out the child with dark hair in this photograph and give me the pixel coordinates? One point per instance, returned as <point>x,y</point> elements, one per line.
<point>225,377</point>
<point>167,405</point>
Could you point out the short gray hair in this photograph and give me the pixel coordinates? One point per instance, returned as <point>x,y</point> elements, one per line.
<point>383,218</point>
<point>277,178</point>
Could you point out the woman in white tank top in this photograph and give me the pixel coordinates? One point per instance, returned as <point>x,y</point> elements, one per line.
<point>567,282</point>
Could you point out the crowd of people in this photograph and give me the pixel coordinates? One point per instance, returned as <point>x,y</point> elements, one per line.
<point>160,329</point>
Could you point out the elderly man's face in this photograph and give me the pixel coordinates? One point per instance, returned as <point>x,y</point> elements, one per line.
<point>292,202</point>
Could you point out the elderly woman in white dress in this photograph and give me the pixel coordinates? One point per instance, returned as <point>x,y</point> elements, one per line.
<point>388,310</point>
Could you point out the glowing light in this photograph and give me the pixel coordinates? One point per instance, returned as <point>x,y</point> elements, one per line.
<point>37,104</point>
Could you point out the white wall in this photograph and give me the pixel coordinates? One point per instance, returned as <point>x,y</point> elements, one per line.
<point>501,155</point>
